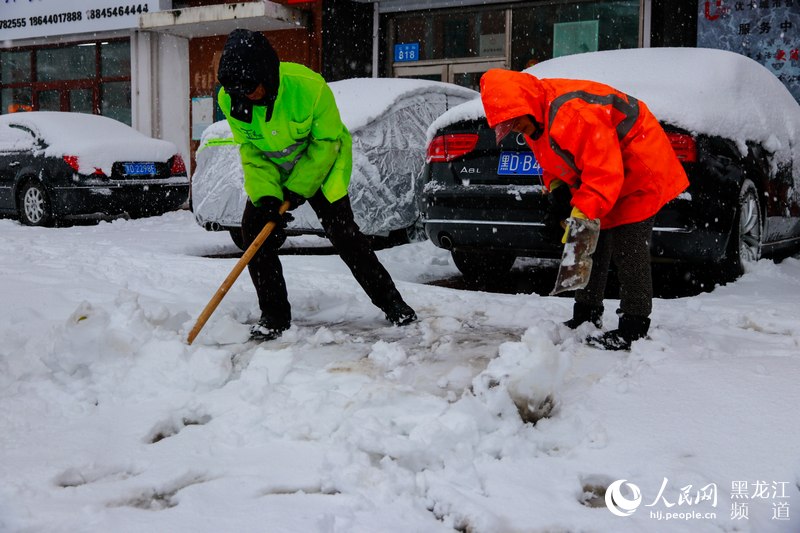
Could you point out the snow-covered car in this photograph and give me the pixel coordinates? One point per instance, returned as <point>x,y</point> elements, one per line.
<point>387,118</point>
<point>58,166</point>
<point>733,124</point>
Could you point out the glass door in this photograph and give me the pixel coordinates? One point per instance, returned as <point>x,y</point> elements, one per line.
<point>469,74</point>
<point>422,72</point>
<point>464,73</point>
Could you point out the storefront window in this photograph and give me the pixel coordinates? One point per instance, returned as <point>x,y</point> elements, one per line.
<point>16,99</point>
<point>546,31</point>
<point>115,59</point>
<point>15,67</point>
<point>85,78</point>
<point>71,63</point>
<point>49,101</point>
<point>80,101</point>
<point>115,101</point>
<point>453,35</point>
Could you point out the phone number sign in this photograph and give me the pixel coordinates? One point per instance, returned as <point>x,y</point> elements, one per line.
<point>27,19</point>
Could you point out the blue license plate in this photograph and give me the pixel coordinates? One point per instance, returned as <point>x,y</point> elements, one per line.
<point>140,169</point>
<point>518,164</point>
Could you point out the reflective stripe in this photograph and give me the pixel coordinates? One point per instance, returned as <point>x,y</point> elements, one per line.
<point>630,109</point>
<point>289,165</point>
<point>226,141</point>
<point>285,152</point>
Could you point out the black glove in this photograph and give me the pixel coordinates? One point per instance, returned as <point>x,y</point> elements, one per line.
<point>256,217</point>
<point>294,199</point>
<point>558,210</point>
<point>268,207</point>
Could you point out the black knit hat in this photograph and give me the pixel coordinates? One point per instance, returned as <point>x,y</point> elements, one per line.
<point>247,60</point>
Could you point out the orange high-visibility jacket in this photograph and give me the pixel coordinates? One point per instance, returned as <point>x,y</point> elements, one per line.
<point>606,145</point>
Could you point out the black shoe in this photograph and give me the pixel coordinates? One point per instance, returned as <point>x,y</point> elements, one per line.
<point>399,313</point>
<point>266,330</point>
<point>631,328</point>
<point>585,313</point>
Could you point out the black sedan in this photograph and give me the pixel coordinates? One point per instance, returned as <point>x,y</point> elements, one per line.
<point>56,167</point>
<point>731,122</point>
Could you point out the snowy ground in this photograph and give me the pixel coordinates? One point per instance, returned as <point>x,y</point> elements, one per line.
<point>110,422</point>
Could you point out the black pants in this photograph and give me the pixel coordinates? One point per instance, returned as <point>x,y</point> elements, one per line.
<point>340,228</point>
<point>629,247</point>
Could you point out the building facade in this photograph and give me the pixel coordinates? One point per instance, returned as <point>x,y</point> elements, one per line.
<point>152,63</point>
<point>148,63</point>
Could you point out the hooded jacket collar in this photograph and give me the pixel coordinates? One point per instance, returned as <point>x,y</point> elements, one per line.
<point>508,94</point>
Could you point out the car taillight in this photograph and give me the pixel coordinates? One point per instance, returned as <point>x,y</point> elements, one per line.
<point>178,166</point>
<point>72,161</point>
<point>445,148</point>
<point>684,147</point>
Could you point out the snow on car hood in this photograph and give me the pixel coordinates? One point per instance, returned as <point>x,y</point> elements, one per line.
<point>706,91</point>
<point>97,141</point>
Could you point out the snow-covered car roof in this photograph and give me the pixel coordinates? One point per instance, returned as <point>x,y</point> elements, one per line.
<point>702,90</point>
<point>363,100</point>
<point>97,141</point>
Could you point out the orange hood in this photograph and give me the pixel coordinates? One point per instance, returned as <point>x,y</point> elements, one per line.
<point>507,94</point>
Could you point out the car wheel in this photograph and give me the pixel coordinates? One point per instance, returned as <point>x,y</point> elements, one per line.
<point>744,247</point>
<point>34,205</point>
<point>483,267</point>
<point>237,238</point>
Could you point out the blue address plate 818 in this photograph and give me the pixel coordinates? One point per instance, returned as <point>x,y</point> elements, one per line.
<point>140,169</point>
<point>518,164</point>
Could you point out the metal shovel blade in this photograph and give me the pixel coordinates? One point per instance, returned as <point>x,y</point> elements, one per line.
<point>576,259</point>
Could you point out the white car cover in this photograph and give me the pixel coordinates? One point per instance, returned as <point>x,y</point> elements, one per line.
<point>387,118</point>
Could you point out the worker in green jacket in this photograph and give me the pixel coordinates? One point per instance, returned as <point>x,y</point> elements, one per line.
<point>294,147</point>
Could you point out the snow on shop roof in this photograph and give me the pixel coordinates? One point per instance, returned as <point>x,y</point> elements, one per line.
<point>702,90</point>
<point>363,100</point>
<point>97,141</point>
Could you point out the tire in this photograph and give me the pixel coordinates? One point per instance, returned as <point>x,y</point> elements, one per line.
<point>483,267</point>
<point>237,238</point>
<point>744,245</point>
<point>34,205</point>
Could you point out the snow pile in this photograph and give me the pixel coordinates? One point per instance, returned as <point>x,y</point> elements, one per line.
<point>532,371</point>
<point>110,422</point>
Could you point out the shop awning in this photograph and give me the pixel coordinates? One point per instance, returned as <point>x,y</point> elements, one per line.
<point>221,19</point>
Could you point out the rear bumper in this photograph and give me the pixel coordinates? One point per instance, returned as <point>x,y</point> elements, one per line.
<point>99,201</point>
<point>492,219</point>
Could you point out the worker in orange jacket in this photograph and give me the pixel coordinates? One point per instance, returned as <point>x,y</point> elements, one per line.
<point>608,150</point>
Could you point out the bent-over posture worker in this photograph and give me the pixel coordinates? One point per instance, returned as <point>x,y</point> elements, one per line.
<point>294,147</point>
<point>608,150</point>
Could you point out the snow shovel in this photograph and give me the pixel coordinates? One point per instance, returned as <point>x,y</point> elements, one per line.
<point>576,259</point>
<point>237,269</point>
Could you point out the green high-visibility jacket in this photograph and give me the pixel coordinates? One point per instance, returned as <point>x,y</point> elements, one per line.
<point>303,147</point>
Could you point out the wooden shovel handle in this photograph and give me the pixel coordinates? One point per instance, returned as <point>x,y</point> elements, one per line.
<point>237,269</point>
